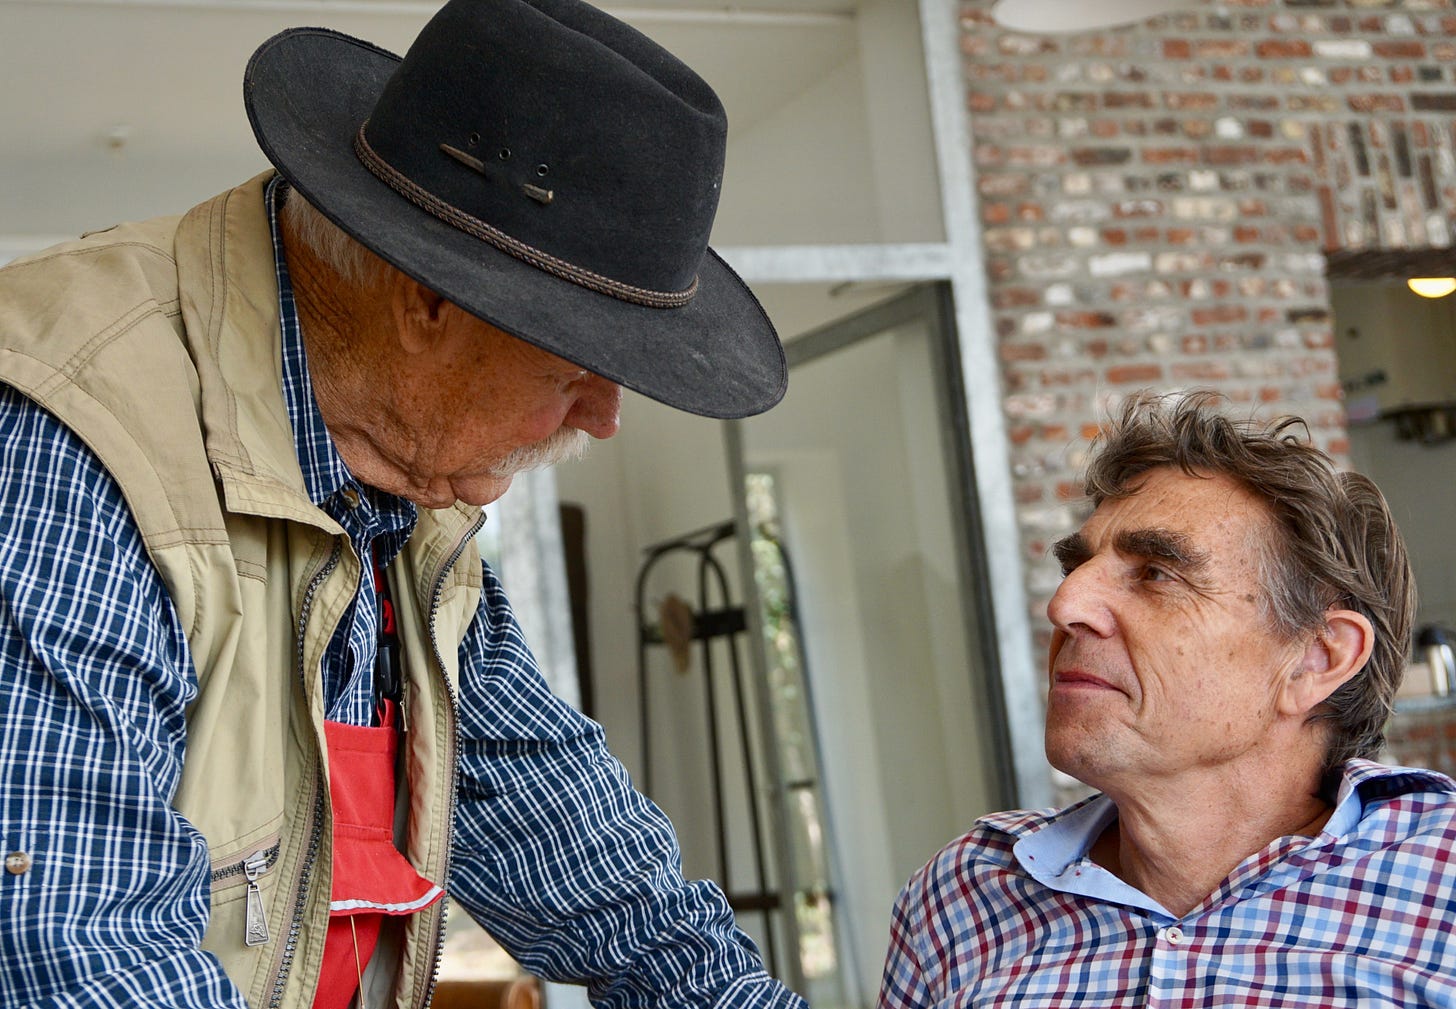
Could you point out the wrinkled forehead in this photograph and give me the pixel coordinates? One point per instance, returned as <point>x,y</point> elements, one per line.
<point>1211,510</point>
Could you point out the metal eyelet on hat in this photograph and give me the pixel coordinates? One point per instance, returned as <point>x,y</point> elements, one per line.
<point>538,193</point>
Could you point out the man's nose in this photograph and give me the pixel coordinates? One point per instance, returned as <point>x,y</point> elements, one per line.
<point>1082,600</point>
<point>598,407</point>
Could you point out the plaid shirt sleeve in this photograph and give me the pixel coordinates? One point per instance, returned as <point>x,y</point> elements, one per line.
<point>904,984</point>
<point>92,731</point>
<point>565,864</point>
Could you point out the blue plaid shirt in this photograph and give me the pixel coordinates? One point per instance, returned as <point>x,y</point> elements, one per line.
<point>1364,915</point>
<point>571,870</point>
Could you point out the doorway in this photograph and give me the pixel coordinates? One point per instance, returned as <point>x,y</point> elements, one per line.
<point>870,480</point>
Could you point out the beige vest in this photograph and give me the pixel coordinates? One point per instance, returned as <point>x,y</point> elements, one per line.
<point>158,344</point>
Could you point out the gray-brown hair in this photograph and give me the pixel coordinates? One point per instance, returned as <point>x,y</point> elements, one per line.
<point>1336,544</point>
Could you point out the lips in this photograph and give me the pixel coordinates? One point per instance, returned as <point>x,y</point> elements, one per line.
<point>1072,662</point>
<point>1076,679</point>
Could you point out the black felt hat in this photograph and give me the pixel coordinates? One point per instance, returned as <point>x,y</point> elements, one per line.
<point>545,167</point>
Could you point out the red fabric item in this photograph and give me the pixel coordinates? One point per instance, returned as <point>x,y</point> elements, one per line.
<point>371,878</point>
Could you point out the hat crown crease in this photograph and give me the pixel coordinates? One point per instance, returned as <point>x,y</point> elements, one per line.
<point>636,159</point>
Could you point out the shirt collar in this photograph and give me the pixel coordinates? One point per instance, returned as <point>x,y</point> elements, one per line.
<point>1049,847</point>
<point>1066,834</point>
<point>1365,781</point>
<point>1054,849</point>
<point>325,473</point>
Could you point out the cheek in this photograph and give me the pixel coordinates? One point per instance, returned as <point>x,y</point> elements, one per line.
<point>542,422</point>
<point>520,418</point>
<point>1167,668</point>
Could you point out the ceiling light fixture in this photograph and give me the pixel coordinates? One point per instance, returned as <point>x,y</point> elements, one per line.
<point>1079,15</point>
<point>1432,287</point>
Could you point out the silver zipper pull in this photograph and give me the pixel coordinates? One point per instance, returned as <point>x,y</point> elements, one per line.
<point>257,921</point>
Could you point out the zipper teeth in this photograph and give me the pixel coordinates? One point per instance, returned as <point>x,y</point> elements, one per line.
<point>270,855</point>
<point>305,873</point>
<point>454,742</point>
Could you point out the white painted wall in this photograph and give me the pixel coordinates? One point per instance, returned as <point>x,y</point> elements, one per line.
<point>850,159</point>
<point>801,175</point>
<point>897,114</point>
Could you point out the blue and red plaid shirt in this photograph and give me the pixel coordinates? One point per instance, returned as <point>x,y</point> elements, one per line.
<point>1015,914</point>
<point>568,867</point>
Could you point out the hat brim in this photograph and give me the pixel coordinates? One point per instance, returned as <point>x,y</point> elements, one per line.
<point>307,91</point>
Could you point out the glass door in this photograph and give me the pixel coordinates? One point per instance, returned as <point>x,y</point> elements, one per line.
<point>876,669</point>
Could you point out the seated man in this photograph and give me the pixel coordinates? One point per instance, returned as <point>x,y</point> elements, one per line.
<point>1233,623</point>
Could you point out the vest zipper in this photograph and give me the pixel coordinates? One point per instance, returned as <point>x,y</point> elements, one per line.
<point>454,747</point>
<point>305,870</point>
<point>256,930</point>
<point>253,867</point>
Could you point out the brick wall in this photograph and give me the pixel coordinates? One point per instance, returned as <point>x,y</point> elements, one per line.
<point>1157,200</point>
<point>1424,736</point>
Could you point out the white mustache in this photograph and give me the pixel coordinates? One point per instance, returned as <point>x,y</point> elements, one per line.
<point>562,444</point>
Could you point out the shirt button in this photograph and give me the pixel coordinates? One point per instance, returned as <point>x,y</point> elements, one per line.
<point>351,497</point>
<point>17,863</point>
<point>1174,935</point>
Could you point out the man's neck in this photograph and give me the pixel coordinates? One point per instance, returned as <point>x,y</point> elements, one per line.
<point>1177,841</point>
<point>335,321</point>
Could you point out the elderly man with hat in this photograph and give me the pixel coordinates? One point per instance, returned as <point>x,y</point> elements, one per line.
<point>263,704</point>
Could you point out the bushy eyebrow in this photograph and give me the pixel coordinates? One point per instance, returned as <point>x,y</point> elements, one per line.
<point>1167,546</point>
<point>1170,547</point>
<point>1071,551</point>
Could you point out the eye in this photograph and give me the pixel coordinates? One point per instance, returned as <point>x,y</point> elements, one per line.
<point>1155,573</point>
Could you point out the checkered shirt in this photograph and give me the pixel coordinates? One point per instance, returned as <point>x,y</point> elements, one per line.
<point>555,854</point>
<point>1364,915</point>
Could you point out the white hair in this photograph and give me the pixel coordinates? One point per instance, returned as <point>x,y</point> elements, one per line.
<point>344,255</point>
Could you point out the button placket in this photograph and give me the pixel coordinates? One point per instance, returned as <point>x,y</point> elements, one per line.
<point>1168,967</point>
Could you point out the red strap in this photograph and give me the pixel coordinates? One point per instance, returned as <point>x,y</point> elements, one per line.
<point>344,962</point>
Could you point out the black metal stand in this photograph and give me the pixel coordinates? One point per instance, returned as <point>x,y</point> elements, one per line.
<point>719,620</point>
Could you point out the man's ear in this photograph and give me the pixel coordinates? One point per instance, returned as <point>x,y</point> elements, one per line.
<point>419,314</point>
<point>1337,652</point>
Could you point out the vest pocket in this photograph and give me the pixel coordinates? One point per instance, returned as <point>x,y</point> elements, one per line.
<point>245,877</point>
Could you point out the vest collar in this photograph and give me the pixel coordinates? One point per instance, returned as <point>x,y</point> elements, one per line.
<point>229,297</point>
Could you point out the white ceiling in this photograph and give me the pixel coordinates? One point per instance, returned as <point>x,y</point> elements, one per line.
<point>113,109</point>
